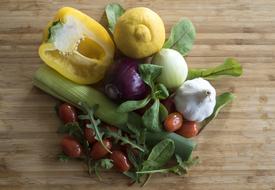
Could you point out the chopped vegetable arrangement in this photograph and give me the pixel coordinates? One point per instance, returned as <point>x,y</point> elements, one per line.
<point>141,117</point>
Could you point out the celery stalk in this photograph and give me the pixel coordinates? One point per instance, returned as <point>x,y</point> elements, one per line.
<point>53,83</point>
<point>56,85</point>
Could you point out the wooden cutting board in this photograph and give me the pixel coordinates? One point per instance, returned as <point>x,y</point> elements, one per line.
<point>237,151</point>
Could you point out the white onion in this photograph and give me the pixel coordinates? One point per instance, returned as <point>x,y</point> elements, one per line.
<point>175,69</point>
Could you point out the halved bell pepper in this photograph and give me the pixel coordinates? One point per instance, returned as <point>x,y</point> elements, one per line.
<point>77,47</point>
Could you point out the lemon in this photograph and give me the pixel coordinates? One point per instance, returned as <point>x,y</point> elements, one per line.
<point>139,32</point>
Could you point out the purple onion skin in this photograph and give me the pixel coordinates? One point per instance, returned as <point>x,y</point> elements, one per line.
<point>125,83</point>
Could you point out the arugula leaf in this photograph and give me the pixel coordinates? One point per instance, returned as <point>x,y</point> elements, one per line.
<point>123,139</point>
<point>230,67</point>
<point>182,36</point>
<point>221,101</point>
<point>132,105</point>
<point>150,118</point>
<point>96,169</point>
<point>63,157</point>
<point>72,129</point>
<point>113,12</point>
<point>161,91</point>
<point>102,163</point>
<point>94,123</point>
<point>149,73</point>
<point>106,163</point>
<point>159,155</point>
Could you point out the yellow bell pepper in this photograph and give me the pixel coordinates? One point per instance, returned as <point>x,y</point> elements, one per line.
<point>77,47</point>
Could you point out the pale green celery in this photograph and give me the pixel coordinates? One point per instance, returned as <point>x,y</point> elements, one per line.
<point>53,83</point>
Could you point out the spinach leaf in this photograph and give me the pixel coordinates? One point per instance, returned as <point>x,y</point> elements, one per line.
<point>149,73</point>
<point>163,113</point>
<point>132,158</point>
<point>113,12</point>
<point>133,176</point>
<point>132,105</point>
<point>179,169</point>
<point>161,91</point>
<point>182,36</point>
<point>183,166</point>
<point>230,67</point>
<point>159,155</point>
<point>183,146</point>
<point>221,101</point>
<point>134,130</point>
<point>150,118</point>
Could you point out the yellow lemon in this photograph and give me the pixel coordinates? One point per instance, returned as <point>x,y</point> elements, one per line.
<point>139,32</point>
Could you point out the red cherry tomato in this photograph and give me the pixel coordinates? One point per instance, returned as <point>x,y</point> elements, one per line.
<point>120,160</point>
<point>188,129</point>
<point>89,135</point>
<point>173,121</point>
<point>71,147</point>
<point>67,113</point>
<point>98,151</point>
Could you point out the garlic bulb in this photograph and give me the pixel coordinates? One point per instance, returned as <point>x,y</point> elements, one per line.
<point>195,99</point>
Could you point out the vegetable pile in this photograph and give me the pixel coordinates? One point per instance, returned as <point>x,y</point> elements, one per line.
<point>141,116</point>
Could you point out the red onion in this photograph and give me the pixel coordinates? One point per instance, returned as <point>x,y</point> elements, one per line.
<point>125,83</point>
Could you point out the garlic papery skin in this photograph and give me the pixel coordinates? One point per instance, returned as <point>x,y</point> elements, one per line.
<point>195,99</point>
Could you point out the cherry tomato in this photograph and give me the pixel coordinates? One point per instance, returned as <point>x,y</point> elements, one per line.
<point>173,121</point>
<point>71,147</point>
<point>89,135</point>
<point>188,129</point>
<point>98,151</point>
<point>67,113</point>
<point>120,160</point>
<point>169,104</point>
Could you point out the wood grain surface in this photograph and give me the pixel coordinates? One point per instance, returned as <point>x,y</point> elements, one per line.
<point>237,150</point>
